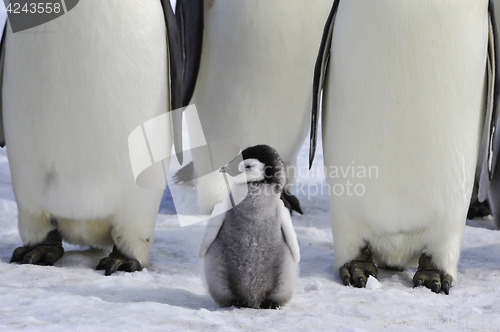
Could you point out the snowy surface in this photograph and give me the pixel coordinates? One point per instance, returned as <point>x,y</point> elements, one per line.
<point>170,296</point>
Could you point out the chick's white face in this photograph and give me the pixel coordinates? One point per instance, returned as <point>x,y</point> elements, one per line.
<point>251,170</point>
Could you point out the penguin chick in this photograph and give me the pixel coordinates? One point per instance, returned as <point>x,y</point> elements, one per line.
<point>251,251</point>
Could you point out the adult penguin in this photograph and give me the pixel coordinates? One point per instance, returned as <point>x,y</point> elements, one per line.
<point>73,90</point>
<point>406,85</point>
<point>250,64</point>
<point>489,193</point>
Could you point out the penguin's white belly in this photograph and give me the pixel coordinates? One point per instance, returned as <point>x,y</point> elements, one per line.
<point>74,89</point>
<point>254,84</point>
<point>405,93</point>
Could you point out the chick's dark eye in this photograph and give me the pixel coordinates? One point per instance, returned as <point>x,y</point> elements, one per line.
<point>248,166</point>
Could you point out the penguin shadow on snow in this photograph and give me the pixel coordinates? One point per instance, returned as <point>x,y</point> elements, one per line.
<point>314,264</point>
<point>125,294</point>
<point>486,223</point>
<point>89,258</point>
<point>81,257</point>
<point>482,257</point>
<point>310,270</point>
<point>402,278</point>
<point>167,205</point>
<point>6,252</point>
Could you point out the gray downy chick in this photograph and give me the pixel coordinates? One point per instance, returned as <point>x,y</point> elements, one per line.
<point>250,251</point>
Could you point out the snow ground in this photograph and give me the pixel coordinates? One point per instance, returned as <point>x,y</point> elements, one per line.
<point>170,296</point>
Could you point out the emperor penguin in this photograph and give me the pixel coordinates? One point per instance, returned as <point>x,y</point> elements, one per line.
<point>250,64</point>
<point>250,252</point>
<point>73,90</point>
<point>490,191</point>
<point>407,88</point>
<point>485,191</point>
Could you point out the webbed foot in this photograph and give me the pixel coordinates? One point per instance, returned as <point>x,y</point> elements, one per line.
<point>239,304</point>
<point>270,304</point>
<point>291,202</point>
<point>479,210</point>
<point>116,261</point>
<point>357,271</point>
<point>45,253</point>
<point>429,276</point>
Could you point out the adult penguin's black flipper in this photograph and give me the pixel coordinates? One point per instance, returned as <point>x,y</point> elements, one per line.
<point>2,56</point>
<point>493,139</point>
<point>493,87</point>
<point>176,70</point>
<point>189,14</point>
<point>319,77</point>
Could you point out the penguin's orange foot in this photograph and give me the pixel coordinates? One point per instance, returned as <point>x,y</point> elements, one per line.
<point>429,276</point>
<point>116,261</point>
<point>357,271</point>
<point>45,253</point>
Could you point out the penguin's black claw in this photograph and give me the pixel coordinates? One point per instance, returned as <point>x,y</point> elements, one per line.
<point>45,253</point>
<point>446,284</point>
<point>345,275</point>
<point>28,260</point>
<point>291,202</point>
<point>116,261</point>
<point>239,304</point>
<point>417,282</point>
<point>358,270</point>
<point>107,264</point>
<point>131,265</point>
<point>435,286</point>
<point>270,304</point>
<point>18,254</point>
<point>429,276</point>
<point>360,281</point>
<point>479,210</point>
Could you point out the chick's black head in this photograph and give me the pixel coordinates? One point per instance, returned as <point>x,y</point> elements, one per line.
<point>274,169</point>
